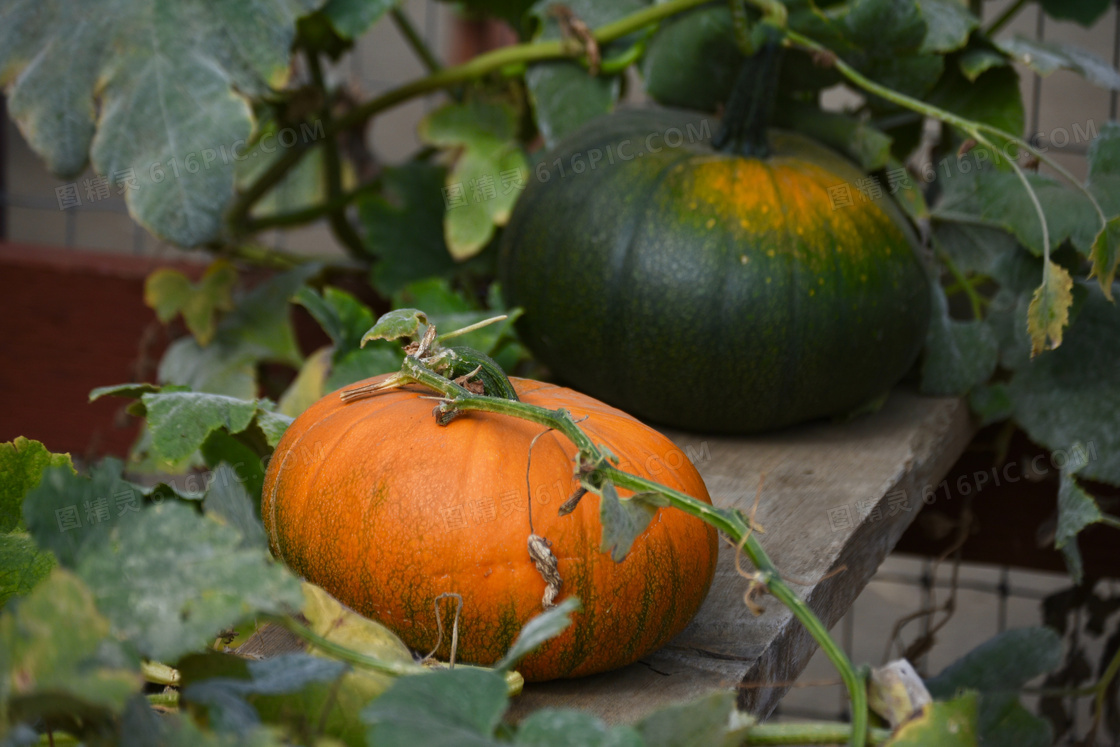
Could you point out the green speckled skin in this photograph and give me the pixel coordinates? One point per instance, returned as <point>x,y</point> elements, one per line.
<point>707,291</point>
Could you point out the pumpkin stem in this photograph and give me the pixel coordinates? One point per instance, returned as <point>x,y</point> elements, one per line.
<point>752,99</point>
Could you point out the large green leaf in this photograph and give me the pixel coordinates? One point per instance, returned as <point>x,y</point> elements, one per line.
<point>708,720</point>
<point>565,94</point>
<point>692,60</point>
<point>181,421</point>
<point>228,501</point>
<point>1085,12</point>
<point>172,579</point>
<point>448,708</point>
<point>153,93</point>
<point>1076,510</point>
<point>488,174</point>
<point>949,23</point>
<point>958,355</point>
<point>991,96</point>
<point>1045,57</point>
<point>998,199</point>
<point>22,463</point>
<point>61,661</point>
<point>68,514</point>
<point>885,40</point>
<point>352,18</point>
<point>548,727</point>
<point>998,668</point>
<point>22,565</point>
<point>258,329</point>
<point>404,226</point>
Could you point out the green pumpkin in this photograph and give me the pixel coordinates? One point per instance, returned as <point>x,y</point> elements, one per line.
<point>712,290</point>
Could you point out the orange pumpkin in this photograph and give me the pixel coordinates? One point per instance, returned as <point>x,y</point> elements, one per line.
<point>386,510</point>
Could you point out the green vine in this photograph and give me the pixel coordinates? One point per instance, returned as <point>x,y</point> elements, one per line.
<point>595,468</point>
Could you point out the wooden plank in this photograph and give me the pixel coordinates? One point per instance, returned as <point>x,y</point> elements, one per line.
<point>836,496</point>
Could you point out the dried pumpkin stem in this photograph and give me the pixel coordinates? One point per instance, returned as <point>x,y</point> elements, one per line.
<point>731,522</point>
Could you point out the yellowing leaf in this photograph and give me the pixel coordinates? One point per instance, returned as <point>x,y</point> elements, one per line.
<point>941,724</point>
<point>1105,256</point>
<point>1048,313</point>
<point>170,292</point>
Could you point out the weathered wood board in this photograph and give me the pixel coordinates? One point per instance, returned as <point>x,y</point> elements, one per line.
<point>835,495</point>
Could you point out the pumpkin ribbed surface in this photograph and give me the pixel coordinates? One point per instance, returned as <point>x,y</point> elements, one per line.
<point>386,510</point>
<point>707,290</point>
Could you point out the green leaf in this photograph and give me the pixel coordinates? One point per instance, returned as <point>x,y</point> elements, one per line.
<point>958,355</point>
<point>709,720</point>
<point>1105,256</point>
<point>1044,57</point>
<point>866,144</point>
<point>692,60</point>
<point>991,403</point>
<point>152,91</point>
<point>220,368</point>
<point>61,660</point>
<point>68,514</point>
<point>542,628</point>
<point>404,226</point>
<point>998,199</point>
<point>172,579</point>
<point>1004,663</point>
<point>972,248</point>
<point>884,41</point>
<point>444,708</point>
<point>221,447</point>
<point>486,179</point>
<point>169,293</point>
<point>22,566</point>
<point>259,329</point>
<point>998,669</point>
<point>352,18</point>
<point>974,62</point>
<point>1048,314</point>
<point>342,316</point>
<point>309,386</point>
<point>623,521</point>
<point>227,500</point>
<point>550,727</point>
<point>1076,510</point>
<point>993,97</point>
<point>940,724</point>
<point>303,186</point>
<point>949,23</point>
<point>131,391</point>
<point>362,364</point>
<point>450,310</point>
<point>228,698</point>
<point>395,324</point>
<point>1085,12</point>
<point>22,463</point>
<point>1060,397</point>
<point>181,421</point>
<point>564,94</point>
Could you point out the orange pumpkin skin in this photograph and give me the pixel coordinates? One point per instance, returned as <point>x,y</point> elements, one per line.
<point>386,510</point>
